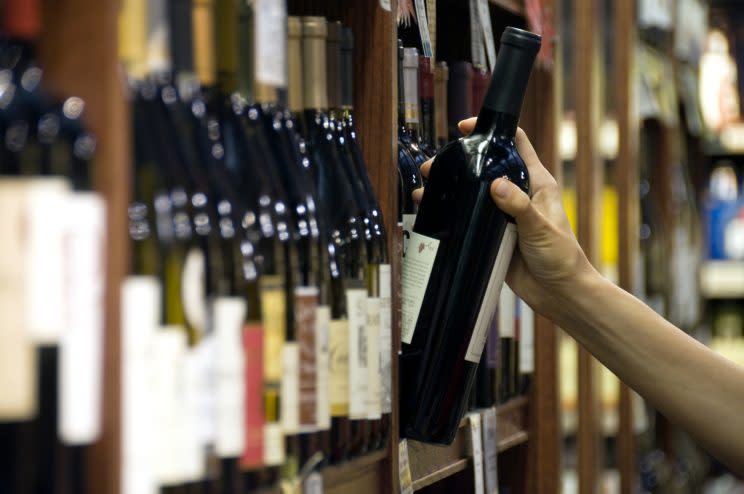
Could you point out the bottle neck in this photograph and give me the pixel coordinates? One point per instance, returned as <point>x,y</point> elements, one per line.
<point>411,113</point>
<point>227,45</point>
<point>315,88</point>
<point>294,65</point>
<point>246,50</point>
<point>503,101</point>
<point>203,42</point>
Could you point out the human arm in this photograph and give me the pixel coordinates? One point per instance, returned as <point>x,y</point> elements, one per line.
<point>686,381</point>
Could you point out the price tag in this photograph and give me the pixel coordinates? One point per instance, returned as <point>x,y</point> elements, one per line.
<point>476,440</point>
<point>490,451</point>
<point>404,468</point>
<point>485,17</point>
<point>423,25</point>
<point>477,49</point>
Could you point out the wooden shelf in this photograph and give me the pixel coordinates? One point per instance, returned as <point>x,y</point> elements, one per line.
<point>515,7</point>
<point>431,463</point>
<point>362,475</point>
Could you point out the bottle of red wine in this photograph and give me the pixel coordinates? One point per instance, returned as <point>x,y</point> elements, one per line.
<point>459,252</point>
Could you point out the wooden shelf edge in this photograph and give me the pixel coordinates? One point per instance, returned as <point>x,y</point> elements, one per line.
<point>513,440</point>
<point>338,474</point>
<point>442,473</point>
<point>512,6</point>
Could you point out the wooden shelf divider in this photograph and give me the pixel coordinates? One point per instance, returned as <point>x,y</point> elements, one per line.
<point>513,6</point>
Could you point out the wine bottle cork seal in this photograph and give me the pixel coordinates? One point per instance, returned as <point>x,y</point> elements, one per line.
<point>410,58</point>
<point>294,27</point>
<point>315,27</point>
<point>204,60</point>
<point>315,89</point>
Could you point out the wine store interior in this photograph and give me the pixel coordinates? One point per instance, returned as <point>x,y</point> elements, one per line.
<point>371,246</point>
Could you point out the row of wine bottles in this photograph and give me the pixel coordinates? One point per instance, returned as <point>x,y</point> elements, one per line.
<point>257,317</point>
<point>51,273</point>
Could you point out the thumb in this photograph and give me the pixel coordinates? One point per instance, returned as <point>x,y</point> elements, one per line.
<point>513,201</point>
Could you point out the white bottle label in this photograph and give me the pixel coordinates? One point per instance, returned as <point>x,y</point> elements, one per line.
<point>374,410</point>
<point>18,400</point>
<point>356,306</point>
<point>491,297</point>
<point>290,388</point>
<point>192,389</point>
<point>168,404</point>
<point>507,320</point>
<point>140,313</point>
<point>423,24</point>
<point>408,221</point>
<point>45,222</point>
<point>476,443</point>
<point>386,339</point>
<point>81,343</point>
<point>417,265</point>
<point>322,325</point>
<point>490,452</point>
<point>526,338</point>
<point>404,468</point>
<point>229,314</point>
<point>273,444</point>
<point>271,42</point>
<point>193,289</point>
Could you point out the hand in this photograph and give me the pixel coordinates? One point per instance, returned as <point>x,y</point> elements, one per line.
<point>548,260</point>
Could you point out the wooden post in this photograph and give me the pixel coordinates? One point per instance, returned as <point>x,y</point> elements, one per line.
<point>589,172</point>
<point>627,173</point>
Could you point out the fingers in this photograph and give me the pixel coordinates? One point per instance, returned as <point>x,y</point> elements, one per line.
<point>417,195</point>
<point>539,176</point>
<point>466,126</point>
<point>514,202</point>
<point>426,167</point>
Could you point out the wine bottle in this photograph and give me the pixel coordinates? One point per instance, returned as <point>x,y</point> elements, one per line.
<point>411,110</point>
<point>461,241</point>
<point>507,344</point>
<point>441,77</point>
<point>379,270</point>
<point>346,240</point>
<point>459,95</point>
<point>526,346</point>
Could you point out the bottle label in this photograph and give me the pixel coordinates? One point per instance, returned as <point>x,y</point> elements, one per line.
<point>507,323</point>
<point>417,265</point>
<point>273,444</point>
<point>192,389</point>
<point>356,305</point>
<point>492,295</point>
<point>45,206</point>
<point>305,307</point>
<point>290,388</point>
<point>338,367</point>
<point>386,339</point>
<point>490,451</point>
<point>423,24</point>
<point>253,444</point>
<point>405,479</point>
<point>271,42</point>
<point>322,326</point>
<point>374,410</point>
<point>17,354</point>
<point>273,309</point>
<point>193,290</point>
<point>476,442</point>
<point>492,344</point>
<point>228,317</point>
<point>140,313</point>
<point>81,344</point>
<point>526,339</point>
<point>408,222</point>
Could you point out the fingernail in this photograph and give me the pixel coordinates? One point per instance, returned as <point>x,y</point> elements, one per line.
<point>502,188</point>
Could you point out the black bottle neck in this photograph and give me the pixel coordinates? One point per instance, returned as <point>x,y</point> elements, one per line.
<point>503,102</point>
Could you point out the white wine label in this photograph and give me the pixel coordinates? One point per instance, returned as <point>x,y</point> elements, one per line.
<point>338,367</point>
<point>408,221</point>
<point>140,312</point>
<point>404,468</point>
<point>507,321</point>
<point>374,409</point>
<point>169,347</point>
<point>313,484</point>
<point>492,295</point>
<point>192,388</point>
<point>18,399</point>
<point>206,383</point>
<point>305,311</point>
<point>386,339</point>
<point>193,290</point>
<point>476,444</point>
<point>423,24</point>
<point>356,305</point>
<point>322,327</point>
<point>485,18</point>
<point>273,444</point>
<point>228,317</point>
<point>417,265</point>
<point>490,452</point>
<point>526,338</point>
<point>158,34</point>
<point>271,42</point>
<point>45,222</point>
<point>81,343</point>
<point>290,388</point>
